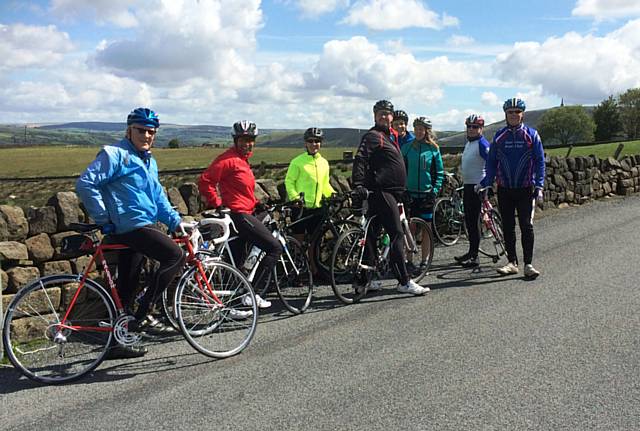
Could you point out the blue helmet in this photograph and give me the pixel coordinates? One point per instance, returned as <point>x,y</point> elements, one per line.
<point>143,116</point>
<point>514,103</point>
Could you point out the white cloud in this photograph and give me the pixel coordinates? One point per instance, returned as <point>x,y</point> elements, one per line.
<point>607,9</point>
<point>102,11</point>
<point>582,69</point>
<point>460,40</point>
<point>32,46</point>
<point>490,98</point>
<point>396,15</point>
<point>313,8</point>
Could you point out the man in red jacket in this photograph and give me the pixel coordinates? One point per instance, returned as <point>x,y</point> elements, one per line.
<point>231,173</point>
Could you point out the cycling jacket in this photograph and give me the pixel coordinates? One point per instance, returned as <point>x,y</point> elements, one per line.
<point>516,158</point>
<point>378,164</point>
<point>408,138</point>
<point>474,158</point>
<point>231,172</point>
<point>121,186</point>
<point>310,175</point>
<point>425,170</point>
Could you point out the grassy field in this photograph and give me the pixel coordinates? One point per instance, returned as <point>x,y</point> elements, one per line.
<point>61,161</point>
<point>602,151</point>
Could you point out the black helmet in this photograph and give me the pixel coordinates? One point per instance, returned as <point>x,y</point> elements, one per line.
<point>383,105</point>
<point>244,128</point>
<point>313,132</point>
<point>401,115</point>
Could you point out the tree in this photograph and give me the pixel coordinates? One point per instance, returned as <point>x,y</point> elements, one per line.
<point>629,105</point>
<point>174,143</point>
<point>566,124</point>
<point>607,119</point>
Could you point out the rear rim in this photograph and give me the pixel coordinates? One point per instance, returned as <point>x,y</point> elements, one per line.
<point>293,278</point>
<point>345,269</point>
<point>420,255</point>
<point>447,223</point>
<point>499,239</point>
<point>326,241</point>
<point>43,349</point>
<point>217,329</point>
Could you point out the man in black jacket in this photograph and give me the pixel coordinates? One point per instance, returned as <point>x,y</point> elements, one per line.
<point>379,175</point>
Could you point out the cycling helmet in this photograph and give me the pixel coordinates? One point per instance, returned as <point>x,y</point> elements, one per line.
<point>313,132</point>
<point>244,128</point>
<point>514,103</point>
<point>422,121</point>
<point>474,119</point>
<point>383,105</point>
<point>401,115</point>
<point>143,116</point>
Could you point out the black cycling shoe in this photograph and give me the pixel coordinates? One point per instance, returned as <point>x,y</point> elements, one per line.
<point>462,258</point>
<point>152,326</point>
<point>125,352</point>
<point>472,262</point>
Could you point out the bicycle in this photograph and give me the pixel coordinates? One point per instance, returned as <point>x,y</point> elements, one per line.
<point>490,227</point>
<point>448,218</point>
<point>291,275</point>
<point>60,327</point>
<point>348,254</point>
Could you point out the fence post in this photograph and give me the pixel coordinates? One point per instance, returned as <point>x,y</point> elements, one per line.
<point>618,151</point>
<point>569,151</point>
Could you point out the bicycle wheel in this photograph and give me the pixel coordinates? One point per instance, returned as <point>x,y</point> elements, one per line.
<point>345,268</point>
<point>220,319</point>
<point>447,223</point>
<point>325,241</point>
<point>419,251</point>
<point>46,349</point>
<point>293,278</point>
<point>498,234</point>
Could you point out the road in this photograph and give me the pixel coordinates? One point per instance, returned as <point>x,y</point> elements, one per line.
<point>478,352</point>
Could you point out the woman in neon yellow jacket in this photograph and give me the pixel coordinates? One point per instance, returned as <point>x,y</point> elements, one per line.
<point>309,173</point>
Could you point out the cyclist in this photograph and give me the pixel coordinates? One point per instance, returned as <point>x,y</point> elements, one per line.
<point>309,173</point>
<point>474,157</point>
<point>121,191</point>
<point>425,171</point>
<point>400,124</point>
<point>516,161</point>
<point>231,174</point>
<point>378,167</point>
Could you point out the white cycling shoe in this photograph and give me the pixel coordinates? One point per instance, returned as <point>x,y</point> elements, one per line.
<point>413,288</point>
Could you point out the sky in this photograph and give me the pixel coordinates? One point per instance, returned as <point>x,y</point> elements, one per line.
<point>303,63</point>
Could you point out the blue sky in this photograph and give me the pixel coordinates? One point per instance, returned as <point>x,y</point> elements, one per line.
<point>302,63</point>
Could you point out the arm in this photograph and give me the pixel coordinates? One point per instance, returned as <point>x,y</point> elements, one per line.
<point>483,145</point>
<point>290,181</point>
<point>361,161</point>
<point>490,166</point>
<point>538,160</point>
<point>166,213</point>
<point>208,182</point>
<point>439,172</point>
<point>327,190</point>
<point>98,173</point>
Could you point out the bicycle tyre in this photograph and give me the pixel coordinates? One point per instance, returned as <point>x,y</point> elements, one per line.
<point>294,284</point>
<point>324,242</point>
<point>416,255</point>
<point>216,329</point>
<point>496,219</point>
<point>447,225</point>
<point>344,266</point>
<point>31,325</point>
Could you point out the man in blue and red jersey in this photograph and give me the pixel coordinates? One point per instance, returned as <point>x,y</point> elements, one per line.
<point>379,175</point>
<point>231,173</point>
<point>516,161</point>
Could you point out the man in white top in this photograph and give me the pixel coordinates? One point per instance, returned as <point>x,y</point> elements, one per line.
<point>475,154</point>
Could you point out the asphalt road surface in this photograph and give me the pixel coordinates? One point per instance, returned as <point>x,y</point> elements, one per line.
<point>479,352</point>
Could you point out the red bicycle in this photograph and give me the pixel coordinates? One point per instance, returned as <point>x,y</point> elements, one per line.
<point>60,327</point>
<point>490,228</point>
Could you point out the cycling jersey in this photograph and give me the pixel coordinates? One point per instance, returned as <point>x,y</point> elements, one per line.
<point>378,164</point>
<point>231,172</point>
<point>308,174</point>
<point>516,158</point>
<point>474,158</point>
<point>408,138</point>
<point>425,170</point>
<point>121,187</point>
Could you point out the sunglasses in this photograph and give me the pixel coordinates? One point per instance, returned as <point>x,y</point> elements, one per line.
<point>473,126</point>
<point>144,131</point>
<point>313,141</point>
<point>514,112</point>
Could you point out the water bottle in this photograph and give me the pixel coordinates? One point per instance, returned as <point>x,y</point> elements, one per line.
<point>252,258</point>
<point>385,240</point>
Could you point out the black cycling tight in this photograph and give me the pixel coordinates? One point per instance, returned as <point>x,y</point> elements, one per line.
<point>510,200</point>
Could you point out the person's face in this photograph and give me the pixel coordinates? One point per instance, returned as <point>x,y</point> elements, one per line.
<point>400,126</point>
<point>420,131</point>
<point>514,116</point>
<point>383,118</point>
<point>312,145</point>
<point>474,131</point>
<point>245,144</point>
<point>141,137</point>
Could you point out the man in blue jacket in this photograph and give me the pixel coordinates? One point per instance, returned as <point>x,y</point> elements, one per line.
<point>516,162</point>
<point>121,191</point>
